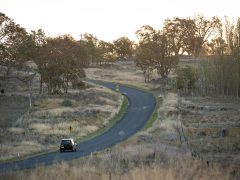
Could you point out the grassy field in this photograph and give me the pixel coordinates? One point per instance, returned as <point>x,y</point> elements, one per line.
<point>49,119</point>
<point>121,72</point>
<point>212,127</point>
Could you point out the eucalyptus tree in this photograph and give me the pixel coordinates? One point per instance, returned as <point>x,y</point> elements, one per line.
<point>123,47</point>
<point>204,30</point>
<point>106,52</point>
<point>91,42</point>
<point>62,57</point>
<point>13,41</point>
<point>155,51</point>
<point>179,32</point>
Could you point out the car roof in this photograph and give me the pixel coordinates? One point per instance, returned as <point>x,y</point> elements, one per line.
<point>66,139</point>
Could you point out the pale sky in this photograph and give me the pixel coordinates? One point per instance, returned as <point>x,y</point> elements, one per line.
<point>108,19</point>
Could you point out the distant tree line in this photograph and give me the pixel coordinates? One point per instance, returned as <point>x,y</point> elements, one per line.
<point>59,60</point>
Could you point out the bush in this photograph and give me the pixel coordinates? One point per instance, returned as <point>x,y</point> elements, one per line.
<point>67,103</point>
<point>79,85</point>
<point>186,78</point>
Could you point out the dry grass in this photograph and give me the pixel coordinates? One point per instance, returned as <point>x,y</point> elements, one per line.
<point>115,165</point>
<point>49,120</point>
<point>191,170</point>
<point>15,130</point>
<point>165,125</point>
<point>205,119</point>
<point>121,72</point>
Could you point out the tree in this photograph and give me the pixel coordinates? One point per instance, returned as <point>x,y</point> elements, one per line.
<point>123,47</point>
<point>16,47</point>
<point>61,56</point>
<point>106,51</point>
<point>217,46</point>
<point>13,42</point>
<point>179,32</point>
<point>145,34</point>
<point>144,61</point>
<point>155,51</point>
<point>39,41</point>
<point>204,30</point>
<point>90,42</point>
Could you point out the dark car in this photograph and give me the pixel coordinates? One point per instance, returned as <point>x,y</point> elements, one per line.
<point>68,145</point>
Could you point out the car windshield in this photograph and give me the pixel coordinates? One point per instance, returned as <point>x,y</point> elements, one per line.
<point>65,142</point>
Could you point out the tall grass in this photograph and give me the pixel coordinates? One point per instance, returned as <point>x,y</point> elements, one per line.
<point>115,167</point>
<point>219,76</point>
<point>214,76</point>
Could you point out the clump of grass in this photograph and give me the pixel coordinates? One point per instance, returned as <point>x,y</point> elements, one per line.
<point>80,85</point>
<point>15,130</point>
<point>154,115</point>
<point>67,103</point>
<point>40,128</point>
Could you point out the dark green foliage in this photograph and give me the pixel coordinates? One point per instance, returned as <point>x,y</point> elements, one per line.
<point>67,103</point>
<point>186,78</point>
<point>80,85</point>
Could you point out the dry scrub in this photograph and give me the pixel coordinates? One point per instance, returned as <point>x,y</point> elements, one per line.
<point>212,127</point>
<point>118,165</point>
<point>50,118</point>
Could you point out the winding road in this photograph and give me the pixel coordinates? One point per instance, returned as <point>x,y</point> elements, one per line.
<point>141,106</point>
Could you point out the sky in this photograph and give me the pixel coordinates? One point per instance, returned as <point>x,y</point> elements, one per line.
<point>109,19</point>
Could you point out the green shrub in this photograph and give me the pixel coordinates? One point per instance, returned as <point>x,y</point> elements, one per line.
<point>67,103</point>
<point>79,85</point>
<point>186,78</point>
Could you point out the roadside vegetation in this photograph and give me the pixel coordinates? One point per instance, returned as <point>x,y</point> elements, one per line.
<point>120,167</point>
<point>51,117</point>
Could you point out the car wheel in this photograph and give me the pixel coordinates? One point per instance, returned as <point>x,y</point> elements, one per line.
<point>75,149</point>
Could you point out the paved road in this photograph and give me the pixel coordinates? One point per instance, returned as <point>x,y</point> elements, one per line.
<point>140,108</point>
